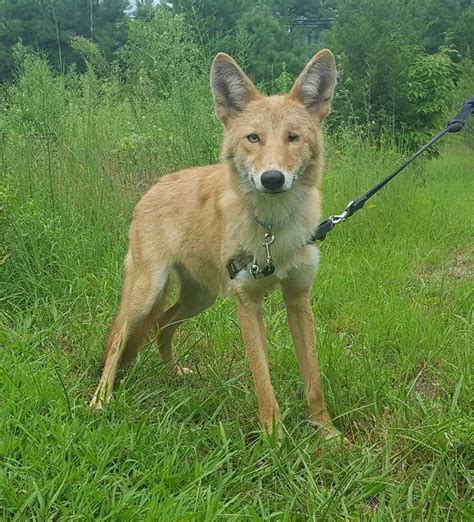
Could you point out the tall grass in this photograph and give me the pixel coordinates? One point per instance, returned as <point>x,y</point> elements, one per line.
<point>392,303</point>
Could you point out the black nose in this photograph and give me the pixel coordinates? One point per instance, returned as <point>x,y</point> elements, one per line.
<point>272,180</point>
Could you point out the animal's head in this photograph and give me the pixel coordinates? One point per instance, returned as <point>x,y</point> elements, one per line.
<point>274,142</point>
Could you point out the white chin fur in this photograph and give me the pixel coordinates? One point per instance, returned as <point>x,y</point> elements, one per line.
<point>275,208</point>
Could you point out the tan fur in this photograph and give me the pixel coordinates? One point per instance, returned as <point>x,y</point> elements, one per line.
<point>193,222</point>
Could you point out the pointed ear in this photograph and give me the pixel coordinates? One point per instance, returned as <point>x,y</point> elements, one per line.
<point>315,85</point>
<point>231,87</point>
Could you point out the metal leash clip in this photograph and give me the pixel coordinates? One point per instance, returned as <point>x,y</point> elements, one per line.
<point>339,218</point>
<point>254,269</point>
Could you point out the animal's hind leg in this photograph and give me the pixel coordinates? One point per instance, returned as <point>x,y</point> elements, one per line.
<point>142,292</point>
<point>193,299</point>
<point>147,328</point>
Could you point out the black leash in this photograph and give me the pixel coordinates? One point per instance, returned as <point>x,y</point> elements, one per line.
<point>454,125</point>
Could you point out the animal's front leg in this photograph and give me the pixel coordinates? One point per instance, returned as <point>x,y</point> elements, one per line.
<point>253,333</point>
<point>301,324</point>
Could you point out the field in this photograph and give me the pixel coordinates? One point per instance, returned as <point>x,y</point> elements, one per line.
<point>392,301</point>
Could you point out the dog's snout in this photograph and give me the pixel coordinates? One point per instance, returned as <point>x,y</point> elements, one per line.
<point>272,180</point>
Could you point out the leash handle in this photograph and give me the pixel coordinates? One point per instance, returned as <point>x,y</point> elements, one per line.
<point>457,123</point>
<point>453,125</point>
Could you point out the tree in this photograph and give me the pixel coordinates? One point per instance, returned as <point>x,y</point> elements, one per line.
<point>386,70</point>
<point>258,33</point>
<point>48,25</point>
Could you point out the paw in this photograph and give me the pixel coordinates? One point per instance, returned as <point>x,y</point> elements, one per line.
<point>181,370</point>
<point>329,433</point>
<point>100,398</point>
<point>274,430</point>
<point>277,432</point>
<point>96,403</point>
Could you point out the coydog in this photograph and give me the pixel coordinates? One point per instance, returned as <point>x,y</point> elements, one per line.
<point>214,227</point>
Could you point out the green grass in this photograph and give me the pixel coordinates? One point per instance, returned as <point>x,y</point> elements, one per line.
<point>392,302</point>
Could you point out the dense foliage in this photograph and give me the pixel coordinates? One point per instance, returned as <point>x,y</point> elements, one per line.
<point>49,25</point>
<point>402,64</point>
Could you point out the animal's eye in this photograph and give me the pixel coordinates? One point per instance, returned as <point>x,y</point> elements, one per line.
<point>253,138</point>
<point>293,137</point>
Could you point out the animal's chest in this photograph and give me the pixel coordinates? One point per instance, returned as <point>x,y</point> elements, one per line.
<point>283,247</point>
<point>287,251</point>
